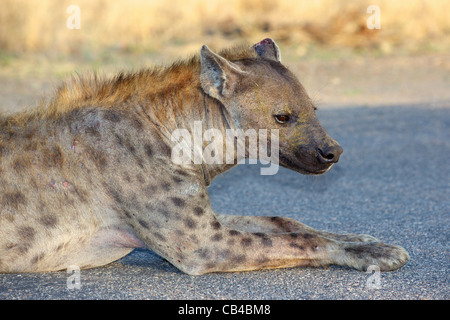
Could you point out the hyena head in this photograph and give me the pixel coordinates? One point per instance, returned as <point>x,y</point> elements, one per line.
<point>260,93</point>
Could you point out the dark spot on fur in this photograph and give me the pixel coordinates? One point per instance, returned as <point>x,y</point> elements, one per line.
<point>238,259</point>
<point>31,146</point>
<point>93,129</point>
<point>190,223</point>
<point>148,150</point>
<point>2,149</point>
<point>37,257</point>
<point>355,250</point>
<point>203,253</point>
<point>127,213</point>
<point>140,178</point>
<point>230,242</point>
<point>199,211</point>
<point>283,224</point>
<point>119,140</point>
<point>13,199</point>
<point>131,148</point>
<point>19,165</point>
<point>296,246</point>
<point>26,233</point>
<point>265,241</point>
<point>177,179</point>
<point>181,173</point>
<point>307,236</point>
<point>122,142</point>
<point>113,192</point>
<point>10,246</point>
<point>179,233</point>
<point>137,124</point>
<point>23,248</point>
<point>112,116</point>
<point>210,266</point>
<point>56,157</point>
<point>246,242</point>
<point>165,186</point>
<point>159,236</point>
<point>217,237</point>
<point>164,212</point>
<point>82,194</point>
<point>134,203</point>
<point>234,232</point>
<point>143,223</point>
<point>263,260</point>
<point>127,143</point>
<point>193,238</point>
<point>224,254</point>
<point>150,189</point>
<point>165,150</point>
<point>98,157</point>
<point>178,201</point>
<point>216,225</point>
<point>48,221</point>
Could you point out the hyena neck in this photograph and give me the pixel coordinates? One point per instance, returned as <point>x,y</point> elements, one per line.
<point>190,114</point>
<point>217,123</point>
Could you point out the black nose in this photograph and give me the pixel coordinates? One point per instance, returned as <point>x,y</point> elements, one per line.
<point>329,154</point>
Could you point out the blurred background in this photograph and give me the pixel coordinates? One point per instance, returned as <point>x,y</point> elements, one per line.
<point>327,43</point>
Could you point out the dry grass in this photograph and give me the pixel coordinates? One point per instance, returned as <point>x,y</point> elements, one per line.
<point>134,25</point>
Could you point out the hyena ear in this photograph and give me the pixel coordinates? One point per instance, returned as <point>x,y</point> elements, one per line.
<point>268,49</point>
<point>218,77</point>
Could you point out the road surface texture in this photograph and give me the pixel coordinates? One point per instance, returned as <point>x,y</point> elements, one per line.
<point>392,182</point>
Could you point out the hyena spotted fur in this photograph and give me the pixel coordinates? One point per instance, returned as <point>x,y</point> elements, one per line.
<point>87,176</point>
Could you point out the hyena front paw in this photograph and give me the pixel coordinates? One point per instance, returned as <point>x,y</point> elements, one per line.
<point>361,255</point>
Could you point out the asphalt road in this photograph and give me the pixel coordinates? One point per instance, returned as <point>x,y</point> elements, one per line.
<point>392,182</point>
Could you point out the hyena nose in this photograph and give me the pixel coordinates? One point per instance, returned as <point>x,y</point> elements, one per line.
<point>329,154</point>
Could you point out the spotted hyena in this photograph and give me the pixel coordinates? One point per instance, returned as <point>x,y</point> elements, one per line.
<point>88,176</point>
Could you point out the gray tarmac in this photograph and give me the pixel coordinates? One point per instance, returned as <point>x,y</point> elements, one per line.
<point>392,182</point>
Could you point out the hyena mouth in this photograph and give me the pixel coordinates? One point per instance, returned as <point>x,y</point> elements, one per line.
<point>302,166</point>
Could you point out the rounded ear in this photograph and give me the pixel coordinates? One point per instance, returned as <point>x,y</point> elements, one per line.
<point>218,77</point>
<point>268,49</point>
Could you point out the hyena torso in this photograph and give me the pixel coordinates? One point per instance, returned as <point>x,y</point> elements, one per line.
<point>88,176</point>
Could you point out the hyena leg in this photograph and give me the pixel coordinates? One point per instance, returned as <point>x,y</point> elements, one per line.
<point>319,247</point>
<point>226,250</point>
<point>202,244</point>
<point>277,224</point>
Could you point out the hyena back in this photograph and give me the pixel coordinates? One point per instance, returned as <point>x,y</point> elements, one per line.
<point>87,176</point>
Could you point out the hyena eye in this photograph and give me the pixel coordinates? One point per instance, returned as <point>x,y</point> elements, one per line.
<point>282,118</point>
